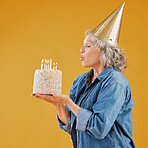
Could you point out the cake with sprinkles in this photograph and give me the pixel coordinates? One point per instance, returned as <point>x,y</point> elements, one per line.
<point>47,79</point>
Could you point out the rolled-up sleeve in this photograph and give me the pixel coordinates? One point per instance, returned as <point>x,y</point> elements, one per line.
<point>82,119</point>
<point>99,121</point>
<point>67,127</point>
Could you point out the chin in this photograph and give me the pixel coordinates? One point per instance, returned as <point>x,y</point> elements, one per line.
<point>84,65</point>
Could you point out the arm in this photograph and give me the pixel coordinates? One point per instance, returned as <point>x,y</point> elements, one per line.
<point>63,113</point>
<point>63,117</point>
<point>63,110</point>
<point>99,121</point>
<point>69,104</point>
<point>72,106</point>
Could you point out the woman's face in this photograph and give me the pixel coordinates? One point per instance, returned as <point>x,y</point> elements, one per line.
<point>89,54</point>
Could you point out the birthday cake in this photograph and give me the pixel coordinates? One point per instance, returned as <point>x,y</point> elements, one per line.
<point>46,79</point>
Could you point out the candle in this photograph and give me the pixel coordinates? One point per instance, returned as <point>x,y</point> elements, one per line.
<point>45,64</point>
<point>50,63</point>
<point>53,66</point>
<point>42,62</point>
<point>56,65</point>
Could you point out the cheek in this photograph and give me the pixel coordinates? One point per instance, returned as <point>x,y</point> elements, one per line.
<point>92,56</point>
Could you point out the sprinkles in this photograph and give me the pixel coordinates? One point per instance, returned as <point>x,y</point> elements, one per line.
<point>47,80</point>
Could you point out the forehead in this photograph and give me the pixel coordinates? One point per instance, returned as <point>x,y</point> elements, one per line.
<point>88,39</point>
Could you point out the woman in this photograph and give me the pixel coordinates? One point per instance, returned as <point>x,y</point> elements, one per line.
<point>98,111</point>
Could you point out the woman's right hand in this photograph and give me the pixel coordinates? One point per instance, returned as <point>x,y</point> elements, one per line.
<point>56,104</point>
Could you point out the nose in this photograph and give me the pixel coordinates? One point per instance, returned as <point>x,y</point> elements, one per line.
<point>81,50</point>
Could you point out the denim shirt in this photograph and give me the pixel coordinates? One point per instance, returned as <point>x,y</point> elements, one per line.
<point>105,117</point>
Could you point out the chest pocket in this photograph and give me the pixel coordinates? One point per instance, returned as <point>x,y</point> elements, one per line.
<point>90,101</point>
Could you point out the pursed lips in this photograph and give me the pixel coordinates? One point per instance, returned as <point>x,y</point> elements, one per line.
<point>81,57</point>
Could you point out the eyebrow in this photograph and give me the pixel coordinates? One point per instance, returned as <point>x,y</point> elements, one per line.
<point>87,41</point>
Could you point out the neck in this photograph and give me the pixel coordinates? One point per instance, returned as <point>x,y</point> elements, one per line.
<point>98,69</point>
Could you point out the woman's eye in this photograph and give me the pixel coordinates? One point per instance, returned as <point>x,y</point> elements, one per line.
<point>88,46</point>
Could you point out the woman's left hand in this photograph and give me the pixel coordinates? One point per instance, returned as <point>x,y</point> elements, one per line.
<point>62,99</point>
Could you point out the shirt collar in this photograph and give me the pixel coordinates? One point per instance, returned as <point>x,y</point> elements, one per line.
<point>89,74</point>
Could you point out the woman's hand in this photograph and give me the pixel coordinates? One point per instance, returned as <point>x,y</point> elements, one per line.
<point>54,99</point>
<point>59,101</point>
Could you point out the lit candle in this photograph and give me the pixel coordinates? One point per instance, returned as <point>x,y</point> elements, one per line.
<point>50,63</point>
<point>53,66</point>
<point>56,65</point>
<point>45,64</point>
<point>42,62</point>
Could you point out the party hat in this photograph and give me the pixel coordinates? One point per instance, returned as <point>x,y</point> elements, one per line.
<point>109,29</point>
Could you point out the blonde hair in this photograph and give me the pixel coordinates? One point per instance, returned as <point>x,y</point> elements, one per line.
<point>111,56</point>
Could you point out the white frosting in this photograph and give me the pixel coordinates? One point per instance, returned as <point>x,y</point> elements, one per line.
<point>47,81</point>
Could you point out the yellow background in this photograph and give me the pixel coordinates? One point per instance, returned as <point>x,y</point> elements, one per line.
<point>31,30</point>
